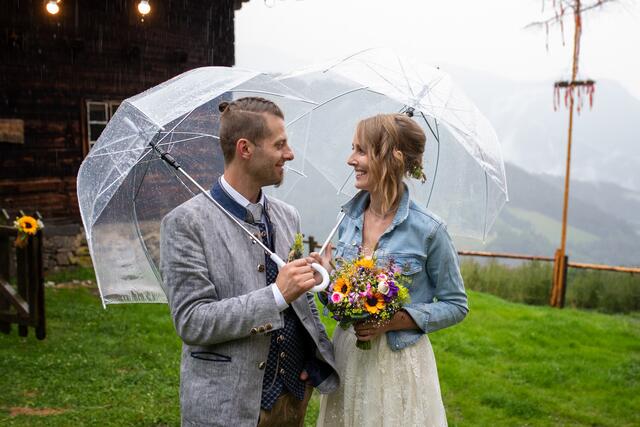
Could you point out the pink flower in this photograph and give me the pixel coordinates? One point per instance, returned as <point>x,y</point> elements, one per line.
<point>336,297</point>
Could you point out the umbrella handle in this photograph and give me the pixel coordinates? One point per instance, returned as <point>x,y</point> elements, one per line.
<point>317,267</point>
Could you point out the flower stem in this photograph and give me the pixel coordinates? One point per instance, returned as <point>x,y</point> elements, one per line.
<point>363,345</point>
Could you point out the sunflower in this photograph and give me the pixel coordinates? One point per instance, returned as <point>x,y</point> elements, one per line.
<point>365,263</point>
<point>342,286</point>
<point>28,225</point>
<point>374,303</point>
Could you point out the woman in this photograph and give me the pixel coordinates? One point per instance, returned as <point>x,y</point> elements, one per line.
<point>396,382</point>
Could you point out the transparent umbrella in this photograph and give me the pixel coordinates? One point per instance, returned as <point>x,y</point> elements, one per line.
<point>125,189</point>
<point>466,183</point>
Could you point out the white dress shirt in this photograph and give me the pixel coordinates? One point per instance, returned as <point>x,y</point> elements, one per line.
<point>243,201</point>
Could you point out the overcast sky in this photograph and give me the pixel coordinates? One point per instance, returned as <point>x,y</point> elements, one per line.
<point>487,35</point>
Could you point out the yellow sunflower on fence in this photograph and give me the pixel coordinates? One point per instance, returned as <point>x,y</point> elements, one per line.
<point>26,226</point>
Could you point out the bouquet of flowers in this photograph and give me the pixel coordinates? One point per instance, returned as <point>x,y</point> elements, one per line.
<point>26,226</point>
<point>361,291</point>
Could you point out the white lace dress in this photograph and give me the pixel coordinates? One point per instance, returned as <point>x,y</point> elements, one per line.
<point>380,387</point>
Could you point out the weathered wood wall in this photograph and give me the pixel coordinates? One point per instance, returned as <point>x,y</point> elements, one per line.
<point>50,65</point>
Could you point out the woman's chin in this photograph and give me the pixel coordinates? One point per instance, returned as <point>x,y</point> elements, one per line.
<point>362,186</point>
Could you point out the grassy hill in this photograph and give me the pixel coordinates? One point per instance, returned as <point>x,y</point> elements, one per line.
<point>506,364</point>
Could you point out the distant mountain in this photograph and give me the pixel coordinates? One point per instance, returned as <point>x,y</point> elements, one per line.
<point>602,225</point>
<point>606,139</point>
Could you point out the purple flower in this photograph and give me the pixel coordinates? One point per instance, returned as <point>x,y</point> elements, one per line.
<point>393,289</point>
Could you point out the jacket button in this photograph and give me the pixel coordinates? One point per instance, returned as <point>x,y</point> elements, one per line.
<point>261,365</point>
<point>253,331</point>
<point>281,371</point>
<point>280,339</point>
<point>282,355</point>
<point>261,268</point>
<point>261,329</point>
<point>268,326</point>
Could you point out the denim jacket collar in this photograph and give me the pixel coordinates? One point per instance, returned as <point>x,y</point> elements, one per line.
<point>355,207</point>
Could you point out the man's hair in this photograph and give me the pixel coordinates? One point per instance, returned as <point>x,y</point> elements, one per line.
<point>244,118</point>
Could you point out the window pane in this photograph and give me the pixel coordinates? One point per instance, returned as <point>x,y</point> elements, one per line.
<point>94,131</point>
<point>97,112</point>
<point>113,106</point>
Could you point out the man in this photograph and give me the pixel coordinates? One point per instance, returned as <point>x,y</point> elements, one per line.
<point>252,339</point>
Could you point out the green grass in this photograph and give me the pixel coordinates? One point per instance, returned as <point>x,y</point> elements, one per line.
<point>73,273</point>
<point>507,364</point>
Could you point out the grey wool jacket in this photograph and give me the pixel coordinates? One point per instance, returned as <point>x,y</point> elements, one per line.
<point>224,312</point>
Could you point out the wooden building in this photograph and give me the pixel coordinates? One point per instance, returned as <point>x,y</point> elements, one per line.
<point>63,75</point>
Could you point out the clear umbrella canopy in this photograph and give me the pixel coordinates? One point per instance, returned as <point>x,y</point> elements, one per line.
<point>125,189</point>
<point>466,183</point>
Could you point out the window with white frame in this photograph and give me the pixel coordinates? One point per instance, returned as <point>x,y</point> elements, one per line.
<point>98,115</point>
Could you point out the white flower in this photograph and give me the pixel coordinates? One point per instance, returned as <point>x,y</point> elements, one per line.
<point>383,288</point>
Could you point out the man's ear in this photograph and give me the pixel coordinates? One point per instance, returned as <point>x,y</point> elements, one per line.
<point>244,149</point>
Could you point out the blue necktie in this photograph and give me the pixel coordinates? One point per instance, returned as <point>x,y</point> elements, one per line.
<point>288,345</point>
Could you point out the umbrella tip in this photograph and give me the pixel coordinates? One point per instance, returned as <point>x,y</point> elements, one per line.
<point>409,111</point>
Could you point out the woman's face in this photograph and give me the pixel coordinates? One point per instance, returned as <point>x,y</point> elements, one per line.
<point>360,163</point>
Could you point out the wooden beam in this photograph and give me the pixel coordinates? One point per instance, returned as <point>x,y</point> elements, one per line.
<point>9,293</point>
<point>505,255</point>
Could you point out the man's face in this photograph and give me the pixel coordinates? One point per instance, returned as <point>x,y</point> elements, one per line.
<point>270,154</point>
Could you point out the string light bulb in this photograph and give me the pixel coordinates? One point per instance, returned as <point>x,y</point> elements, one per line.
<point>52,7</point>
<point>144,7</point>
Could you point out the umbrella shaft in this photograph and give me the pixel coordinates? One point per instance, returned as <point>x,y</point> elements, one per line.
<point>227,213</point>
<point>326,242</point>
<point>168,158</point>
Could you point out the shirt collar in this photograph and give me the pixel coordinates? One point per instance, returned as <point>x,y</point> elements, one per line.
<point>236,196</point>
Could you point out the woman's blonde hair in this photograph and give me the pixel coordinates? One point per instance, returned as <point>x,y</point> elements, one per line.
<point>394,144</point>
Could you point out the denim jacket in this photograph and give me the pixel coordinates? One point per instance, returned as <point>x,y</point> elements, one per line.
<point>419,243</point>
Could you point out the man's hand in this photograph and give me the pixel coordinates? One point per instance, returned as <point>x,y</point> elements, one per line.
<point>295,278</point>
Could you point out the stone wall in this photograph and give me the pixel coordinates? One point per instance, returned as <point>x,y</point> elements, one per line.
<point>64,246</point>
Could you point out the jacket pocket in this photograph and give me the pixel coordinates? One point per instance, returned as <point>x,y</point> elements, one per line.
<point>409,265</point>
<point>210,356</point>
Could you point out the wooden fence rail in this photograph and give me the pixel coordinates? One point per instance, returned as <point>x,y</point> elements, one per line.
<point>601,267</point>
<point>23,304</point>
<point>313,245</point>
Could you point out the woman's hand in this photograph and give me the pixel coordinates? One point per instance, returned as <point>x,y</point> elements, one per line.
<point>366,331</point>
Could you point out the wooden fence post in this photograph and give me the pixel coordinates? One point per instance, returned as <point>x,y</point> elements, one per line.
<point>24,305</point>
<point>563,280</point>
<point>5,259</point>
<point>312,244</point>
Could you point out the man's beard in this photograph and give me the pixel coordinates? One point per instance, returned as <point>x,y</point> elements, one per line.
<point>270,179</point>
